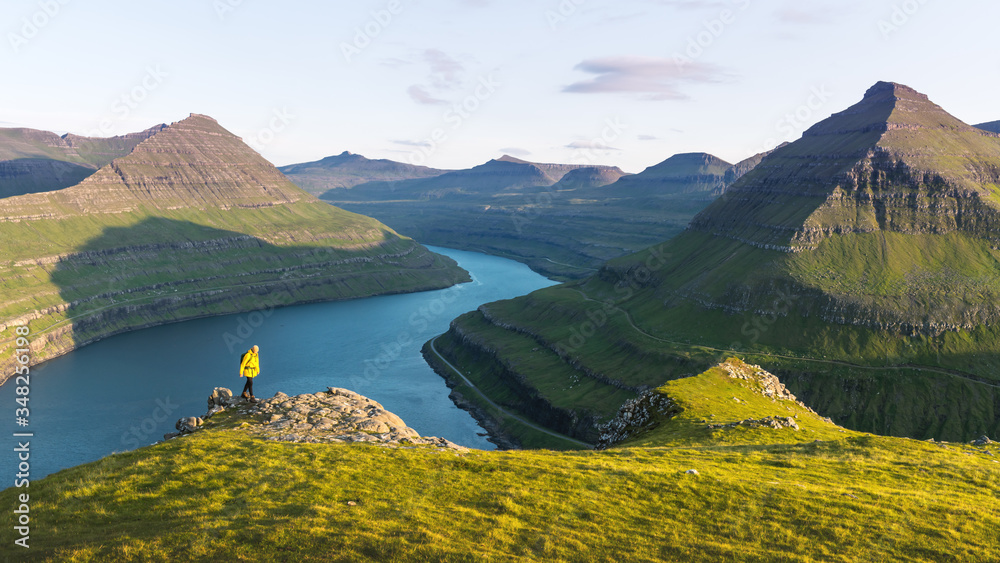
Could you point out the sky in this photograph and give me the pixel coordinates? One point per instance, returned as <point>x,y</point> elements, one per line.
<point>453,83</point>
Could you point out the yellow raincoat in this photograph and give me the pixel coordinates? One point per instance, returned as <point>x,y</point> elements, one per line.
<point>250,366</point>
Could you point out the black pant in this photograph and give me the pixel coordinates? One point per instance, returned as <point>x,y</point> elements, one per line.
<point>248,387</point>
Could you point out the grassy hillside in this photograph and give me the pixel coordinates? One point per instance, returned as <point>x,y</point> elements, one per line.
<point>760,494</point>
<point>860,263</point>
<point>191,223</point>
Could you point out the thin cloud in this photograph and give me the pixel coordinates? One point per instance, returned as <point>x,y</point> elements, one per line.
<point>421,96</point>
<point>408,143</point>
<point>445,76</point>
<point>446,72</point>
<point>648,138</point>
<point>800,16</point>
<point>815,13</point>
<point>654,77</point>
<point>515,151</point>
<point>694,4</point>
<point>590,146</point>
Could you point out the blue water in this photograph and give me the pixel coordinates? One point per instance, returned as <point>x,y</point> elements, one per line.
<point>128,390</point>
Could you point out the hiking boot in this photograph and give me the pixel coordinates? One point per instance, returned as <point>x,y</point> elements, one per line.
<point>253,399</point>
<point>245,395</point>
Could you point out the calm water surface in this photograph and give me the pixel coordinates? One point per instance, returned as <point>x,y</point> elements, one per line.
<point>129,390</point>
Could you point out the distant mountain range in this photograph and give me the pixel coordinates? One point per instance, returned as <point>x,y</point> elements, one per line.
<point>992,126</point>
<point>180,221</point>
<point>347,170</point>
<point>563,220</point>
<point>861,262</point>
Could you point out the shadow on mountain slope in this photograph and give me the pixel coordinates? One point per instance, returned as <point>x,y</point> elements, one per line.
<point>129,278</point>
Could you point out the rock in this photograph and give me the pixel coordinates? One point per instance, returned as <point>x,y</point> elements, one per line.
<point>220,397</point>
<point>636,416</point>
<point>336,416</point>
<point>982,441</point>
<point>691,472</point>
<point>170,435</point>
<point>776,422</point>
<point>188,424</point>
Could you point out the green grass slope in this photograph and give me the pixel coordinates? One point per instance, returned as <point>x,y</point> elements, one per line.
<point>191,223</point>
<point>860,263</point>
<point>816,494</point>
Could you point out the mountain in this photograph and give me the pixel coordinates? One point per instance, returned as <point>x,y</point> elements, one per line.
<point>563,220</point>
<point>589,177</point>
<point>689,173</point>
<point>39,161</point>
<point>498,177</point>
<point>992,126</point>
<point>861,263</point>
<point>191,222</point>
<point>724,466</point>
<point>347,170</point>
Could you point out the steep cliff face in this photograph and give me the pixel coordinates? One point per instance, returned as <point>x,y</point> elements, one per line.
<point>192,222</point>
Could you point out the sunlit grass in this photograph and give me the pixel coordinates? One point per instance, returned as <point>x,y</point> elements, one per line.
<point>222,495</point>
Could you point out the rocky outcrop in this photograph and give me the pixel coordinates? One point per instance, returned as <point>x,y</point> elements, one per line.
<point>637,416</point>
<point>333,416</point>
<point>654,407</point>
<point>775,422</point>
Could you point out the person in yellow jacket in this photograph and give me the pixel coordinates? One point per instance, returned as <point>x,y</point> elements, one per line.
<point>250,368</point>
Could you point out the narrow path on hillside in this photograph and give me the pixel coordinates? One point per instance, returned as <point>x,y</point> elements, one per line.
<point>967,377</point>
<point>502,410</point>
<point>572,266</point>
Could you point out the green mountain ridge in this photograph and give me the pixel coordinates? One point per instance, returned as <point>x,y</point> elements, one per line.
<point>191,222</point>
<point>859,263</point>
